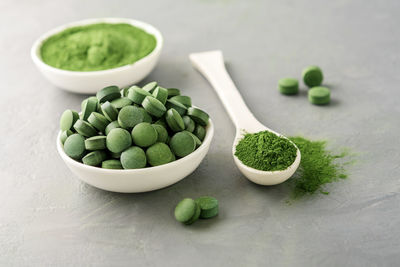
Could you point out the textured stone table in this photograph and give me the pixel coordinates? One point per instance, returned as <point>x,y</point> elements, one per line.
<point>50,218</point>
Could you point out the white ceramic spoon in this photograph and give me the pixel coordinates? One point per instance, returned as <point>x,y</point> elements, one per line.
<point>211,65</point>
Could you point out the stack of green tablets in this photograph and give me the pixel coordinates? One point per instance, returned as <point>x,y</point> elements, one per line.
<point>133,127</point>
<point>188,210</point>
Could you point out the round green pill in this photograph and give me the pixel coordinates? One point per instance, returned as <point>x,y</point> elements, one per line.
<point>144,134</point>
<point>174,120</point>
<point>158,154</point>
<point>288,86</point>
<point>108,93</point>
<point>118,140</point>
<point>121,102</point>
<point>173,92</point>
<point>312,76</point>
<point>208,206</point>
<point>319,95</point>
<point>74,146</point>
<point>133,158</point>
<point>198,116</point>
<point>95,143</point>
<point>110,126</point>
<point>88,106</point>
<point>161,94</point>
<point>185,210</point>
<point>150,87</point>
<point>68,119</point>
<point>177,106</point>
<point>98,121</point>
<point>111,164</point>
<point>182,144</point>
<point>200,132</point>
<point>130,116</point>
<point>195,217</point>
<point>183,99</point>
<point>94,158</point>
<point>154,106</point>
<point>109,111</point>
<point>189,123</point>
<point>84,128</point>
<point>162,133</point>
<point>64,135</point>
<point>137,94</point>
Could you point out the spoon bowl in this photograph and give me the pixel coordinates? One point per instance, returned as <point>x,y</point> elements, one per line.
<point>211,65</point>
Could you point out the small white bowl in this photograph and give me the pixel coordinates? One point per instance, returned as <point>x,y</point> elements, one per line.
<point>139,180</point>
<point>89,82</point>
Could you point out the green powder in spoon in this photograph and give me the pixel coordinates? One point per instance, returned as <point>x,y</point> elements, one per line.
<point>265,151</point>
<point>97,47</point>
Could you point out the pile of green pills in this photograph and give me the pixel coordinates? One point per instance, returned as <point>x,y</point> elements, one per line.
<point>133,127</point>
<point>312,77</point>
<point>188,210</point>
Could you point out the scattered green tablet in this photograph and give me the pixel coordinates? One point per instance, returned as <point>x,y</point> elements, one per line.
<point>319,95</point>
<point>208,206</point>
<point>187,211</point>
<point>288,86</point>
<point>312,76</point>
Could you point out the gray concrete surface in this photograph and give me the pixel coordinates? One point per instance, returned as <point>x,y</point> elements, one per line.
<point>50,218</point>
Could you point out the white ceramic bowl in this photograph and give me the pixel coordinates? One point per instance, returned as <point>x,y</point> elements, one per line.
<point>89,82</point>
<point>139,180</point>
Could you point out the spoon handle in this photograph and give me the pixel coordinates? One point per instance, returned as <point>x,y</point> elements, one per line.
<point>211,65</point>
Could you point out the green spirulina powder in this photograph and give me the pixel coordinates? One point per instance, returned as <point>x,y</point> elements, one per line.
<point>318,167</point>
<point>265,151</point>
<point>98,46</point>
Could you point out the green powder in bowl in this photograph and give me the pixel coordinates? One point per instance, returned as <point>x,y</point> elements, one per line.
<point>266,151</point>
<point>99,46</point>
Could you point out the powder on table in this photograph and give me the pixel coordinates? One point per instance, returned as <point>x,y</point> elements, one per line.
<point>97,47</point>
<point>266,151</point>
<point>318,166</point>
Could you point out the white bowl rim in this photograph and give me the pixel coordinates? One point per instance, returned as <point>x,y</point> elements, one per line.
<point>207,140</point>
<point>137,23</point>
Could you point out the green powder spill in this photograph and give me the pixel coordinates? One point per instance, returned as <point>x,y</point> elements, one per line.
<point>97,47</point>
<point>318,166</point>
<point>265,151</point>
